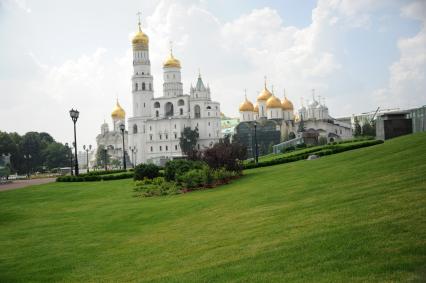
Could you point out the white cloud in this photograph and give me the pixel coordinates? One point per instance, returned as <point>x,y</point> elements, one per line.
<point>407,81</point>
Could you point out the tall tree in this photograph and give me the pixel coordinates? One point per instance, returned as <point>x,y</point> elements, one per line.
<point>357,127</point>
<point>188,141</point>
<point>102,156</point>
<point>301,127</point>
<point>56,155</point>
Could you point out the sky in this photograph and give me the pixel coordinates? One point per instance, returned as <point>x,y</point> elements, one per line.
<point>57,55</point>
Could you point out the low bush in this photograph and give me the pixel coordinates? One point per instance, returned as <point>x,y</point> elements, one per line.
<point>93,178</point>
<point>194,178</point>
<point>155,187</point>
<point>178,167</point>
<point>149,171</point>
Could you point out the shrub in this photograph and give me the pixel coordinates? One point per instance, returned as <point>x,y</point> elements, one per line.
<point>178,167</point>
<point>226,154</point>
<point>155,187</point>
<point>302,145</point>
<point>149,171</point>
<point>194,178</point>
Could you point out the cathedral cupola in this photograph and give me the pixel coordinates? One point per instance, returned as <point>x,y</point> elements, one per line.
<point>287,104</point>
<point>140,41</point>
<point>273,102</point>
<point>265,94</point>
<point>171,61</point>
<point>246,106</point>
<point>118,113</point>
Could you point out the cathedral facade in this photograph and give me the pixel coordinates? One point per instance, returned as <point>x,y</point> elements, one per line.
<point>157,122</point>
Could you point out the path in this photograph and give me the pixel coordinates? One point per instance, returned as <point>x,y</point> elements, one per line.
<point>25,183</point>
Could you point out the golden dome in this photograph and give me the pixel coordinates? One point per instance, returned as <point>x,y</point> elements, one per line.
<point>265,94</point>
<point>140,40</point>
<point>287,104</point>
<point>256,108</point>
<point>171,62</point>
<point>118,113</point>
<point>246,106</point>
<point>273,102</point>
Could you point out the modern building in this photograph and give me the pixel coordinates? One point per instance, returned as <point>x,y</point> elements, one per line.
<point>157,122</point>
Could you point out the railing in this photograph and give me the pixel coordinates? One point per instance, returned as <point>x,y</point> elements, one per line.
<point>278,148</point>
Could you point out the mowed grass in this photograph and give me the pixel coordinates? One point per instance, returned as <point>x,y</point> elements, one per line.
<point>358,216</point>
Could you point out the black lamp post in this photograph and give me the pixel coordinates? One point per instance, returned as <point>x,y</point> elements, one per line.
<point>87,149</point>
<point>122,128</point>
<point>27,157</point>
<point>256,152</point>
<point>74,116</point>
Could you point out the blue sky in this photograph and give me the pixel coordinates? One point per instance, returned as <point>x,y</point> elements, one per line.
<point>55,55</point>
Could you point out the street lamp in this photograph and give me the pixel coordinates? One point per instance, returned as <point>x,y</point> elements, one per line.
<point>256,152</point>
<point>27,157</point>
<point>87,155</point>
<point>122,128</point>
<point>74,116</point>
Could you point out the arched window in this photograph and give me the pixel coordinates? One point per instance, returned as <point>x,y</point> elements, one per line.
<point>181,111</point>
<point>157,113</point>
<point>197,111</point>
<point>143,86</point>
<point>157,104</point>
<point>208,108</point>
<point>135,129</point>
<point>150,86</point>
<point>181,102</point>
<point>168,109</point>
<point>136,86</point>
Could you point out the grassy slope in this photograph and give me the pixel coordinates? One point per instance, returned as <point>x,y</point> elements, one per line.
<point>354,216</point>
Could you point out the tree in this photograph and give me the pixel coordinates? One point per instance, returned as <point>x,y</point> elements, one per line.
<point>368,128</point>
<point>301,127</point>
<point>357,127</point>
<point>56,155</point>
<point>188,141</point>
<point>31,144</point>
<point>102,156</point>
<point>225,154</point>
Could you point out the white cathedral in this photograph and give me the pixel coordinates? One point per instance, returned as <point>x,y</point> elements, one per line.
<point>155,128</point>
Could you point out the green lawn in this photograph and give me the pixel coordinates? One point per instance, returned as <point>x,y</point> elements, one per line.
<point>355,216</point>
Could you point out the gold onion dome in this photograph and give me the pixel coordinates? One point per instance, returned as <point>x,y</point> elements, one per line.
<point>140,40</point>
<point>246,106</point>
<point>287,104</point>
<point>265,94</point>
<point>118,112</point>
<point>171,62</point>
<point>273,102</point>
<point>256,108</point>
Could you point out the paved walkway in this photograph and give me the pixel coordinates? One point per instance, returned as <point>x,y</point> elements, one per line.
<point>18,184</point>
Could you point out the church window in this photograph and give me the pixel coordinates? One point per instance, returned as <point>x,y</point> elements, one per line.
<point>144,129</point>
<point>210,135</point>
<point>150,128</point>
<point>167,148</point>
<point>181,102</point>
<point>161,148</point>
<point>157,104</point>
<point>175,147</point>
<point>135,129</point>
<point>175,126</point>
<point>167,136</point>
<point>150,137</point>
<point>208,113</point>
<point>197,111</point>
<point>143,73</point>
<point>150,86</point>
<point>136,86</point>
<point>168,109</point>
<point>157,113</point>
<point>160,137</point>
<point>175,136</point>
<point>209,123</point>
<point>143,86</point>
<point>181,111</point>
<point>208,107</point>
<point>152,149</point>
<point>144,105</point>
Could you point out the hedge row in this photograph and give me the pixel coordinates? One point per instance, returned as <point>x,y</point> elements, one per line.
<point>103,172</point>
<point>326,150</point>
<point>93,178</point>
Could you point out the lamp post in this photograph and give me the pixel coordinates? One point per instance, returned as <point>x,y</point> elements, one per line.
<point>74,116</point>
<point>87,149</point>
<point>27,158</point>
<point>256,152</point>
<point>122,128</point>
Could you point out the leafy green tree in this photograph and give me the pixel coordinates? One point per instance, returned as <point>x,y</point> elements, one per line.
<point>31,144</point>
<point>357,127</point>
<point>56,155</point>
<point>368,128</point>
<point>102,157</point>
<point>188,141</point>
